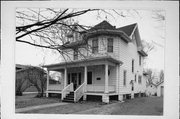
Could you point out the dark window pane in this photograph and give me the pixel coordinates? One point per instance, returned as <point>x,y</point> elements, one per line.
<point>89,78</point>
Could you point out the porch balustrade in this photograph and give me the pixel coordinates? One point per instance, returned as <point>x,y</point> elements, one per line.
<point>67,90</point>
<point>55,87</point>
<point>100,88</point>
<point>79,92</point>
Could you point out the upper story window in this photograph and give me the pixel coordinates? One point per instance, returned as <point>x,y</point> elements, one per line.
<point>139,59</point>
<point>110,45</point>
<point>135,78</point>
<point>94,45</point>
<point>133,66</point>
<point>124,77</point>
<point>75,54</point>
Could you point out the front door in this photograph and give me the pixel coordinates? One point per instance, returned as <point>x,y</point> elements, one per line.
<point>74,80</point>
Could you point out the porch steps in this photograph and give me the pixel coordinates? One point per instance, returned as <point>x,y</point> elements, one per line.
<point>69,97</point>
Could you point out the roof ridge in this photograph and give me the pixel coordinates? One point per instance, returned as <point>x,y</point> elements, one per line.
<point>103,25</point>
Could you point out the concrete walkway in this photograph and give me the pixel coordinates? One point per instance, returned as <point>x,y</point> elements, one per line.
<point>40,107</point>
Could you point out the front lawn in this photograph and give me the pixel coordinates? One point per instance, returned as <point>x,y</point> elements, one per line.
<point>31,100</point>
<point>137,106</point>
<point>70,108</point>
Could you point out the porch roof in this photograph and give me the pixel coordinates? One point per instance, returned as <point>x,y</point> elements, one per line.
<point>85,62</point>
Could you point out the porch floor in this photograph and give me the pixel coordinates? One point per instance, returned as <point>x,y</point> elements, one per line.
<point>54,91</point>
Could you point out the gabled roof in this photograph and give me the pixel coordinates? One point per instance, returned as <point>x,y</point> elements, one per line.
<point>128,29</point>
<point>103,25</point>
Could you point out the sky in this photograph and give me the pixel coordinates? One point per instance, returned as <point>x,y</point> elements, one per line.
<point>149,29</point>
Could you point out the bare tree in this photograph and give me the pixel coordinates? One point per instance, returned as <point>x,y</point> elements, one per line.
<point>147,47</point>
<point>53,28</point>
<point>37,77</point>
<point>22,82</point>
<point>150,75</point>
<point>161,76</point>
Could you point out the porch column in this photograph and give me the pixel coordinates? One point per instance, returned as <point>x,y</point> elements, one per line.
<point>106,79</point>
<point>47,83</point>
<point>65,77</point>
<point>117,78</point>
<point>85,81</point>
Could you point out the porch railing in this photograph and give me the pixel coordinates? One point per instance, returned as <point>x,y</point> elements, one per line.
<point>66,90</point>
<point>79,92</point>
<point>55,87</point>
<point>99,88</point>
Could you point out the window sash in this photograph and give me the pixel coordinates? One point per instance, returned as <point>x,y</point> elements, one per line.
<point>110,45</point>
<point>133,65</point>
<point>94,45</point>
<point>124,77</point>
<point>139,60</point>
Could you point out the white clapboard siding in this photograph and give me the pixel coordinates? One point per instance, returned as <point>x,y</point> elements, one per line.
<point>122,51</point>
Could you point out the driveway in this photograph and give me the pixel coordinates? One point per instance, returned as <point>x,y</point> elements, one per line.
<point>137,106</point>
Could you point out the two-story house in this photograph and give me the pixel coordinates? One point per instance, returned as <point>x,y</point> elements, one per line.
<point>106,61</point>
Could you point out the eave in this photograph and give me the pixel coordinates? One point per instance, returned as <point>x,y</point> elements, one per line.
<point>84,62</point>
<point>141,52</point>
<point>99,32</point>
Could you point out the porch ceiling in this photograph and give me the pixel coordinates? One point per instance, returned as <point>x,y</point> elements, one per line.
<point>85,62</point>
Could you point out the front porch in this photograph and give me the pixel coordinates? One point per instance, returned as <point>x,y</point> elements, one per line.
<point>89,77</point>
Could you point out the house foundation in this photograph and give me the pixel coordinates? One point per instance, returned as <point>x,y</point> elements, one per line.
<point>120,97</point>
<point>84,97</point>
<point>105,98</point>
<point>132,95</point>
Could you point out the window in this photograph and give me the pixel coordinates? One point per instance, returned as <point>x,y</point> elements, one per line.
<point>94,45</point>
<point>124,77</point>
<point>89,77</point>
<point>109,72</point>
<point>75,54</point>
<point>110,45</point>
<point>79,78</point>
<point>135,78</point>
<point>69,80</point>
<point>132,65</point>
<point>139,79</point>
<point>139,59</point>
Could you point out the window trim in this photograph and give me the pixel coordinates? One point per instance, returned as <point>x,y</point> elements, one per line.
<point>110,42</point>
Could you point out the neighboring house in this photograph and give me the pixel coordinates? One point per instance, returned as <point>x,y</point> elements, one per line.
<point>24,84</point>
<point>104,61</point>
<point>160,89</point>
<point>151,89</point>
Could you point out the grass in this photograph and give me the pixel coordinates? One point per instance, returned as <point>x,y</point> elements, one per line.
<point>31,100</point>
<point>137,106</point>
<point>69,108</point>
